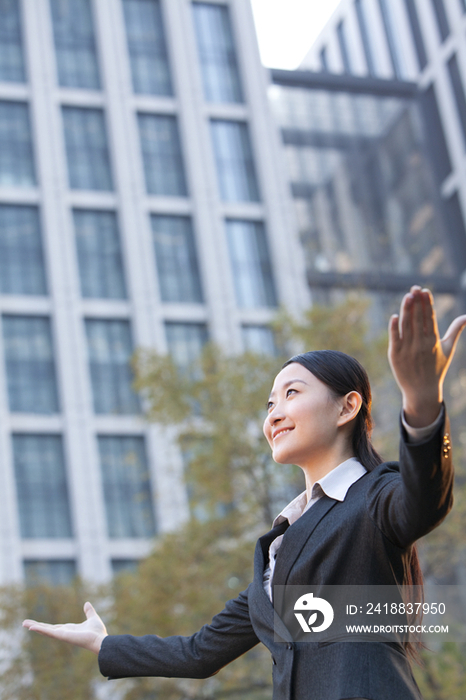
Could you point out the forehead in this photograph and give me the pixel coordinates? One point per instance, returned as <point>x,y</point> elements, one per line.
<point>293,371</point>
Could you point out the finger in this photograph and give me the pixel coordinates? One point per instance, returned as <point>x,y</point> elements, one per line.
<point>394,332</point>
<point>452,335</point>
<point>417,313</point>
<point>430,318</point>
<point>405,317</point>
<point>89,610</point>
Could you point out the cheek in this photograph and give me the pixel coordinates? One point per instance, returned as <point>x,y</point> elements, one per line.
<point>267,430</point>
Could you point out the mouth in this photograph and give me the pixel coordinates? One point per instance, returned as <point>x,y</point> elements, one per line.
<point>279,433</point>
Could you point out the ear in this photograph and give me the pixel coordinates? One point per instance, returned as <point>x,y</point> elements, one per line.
<point>349,407</point>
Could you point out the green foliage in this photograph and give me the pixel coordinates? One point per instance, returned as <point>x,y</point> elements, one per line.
<point>37,668</point>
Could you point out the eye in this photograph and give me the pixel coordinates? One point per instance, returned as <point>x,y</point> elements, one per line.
<point>269,405</point>
<point>291,390</point>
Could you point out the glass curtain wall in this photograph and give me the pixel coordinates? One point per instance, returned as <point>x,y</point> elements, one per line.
<point>16,153</point>
<point>41,486</point>
<point>363,187</point>
<point>147,48</point>
<point>99,254</point>
<point>161,154</point>
<point>110,348</point>
<point>75,47</point>
<point>29,364</point>
<point>87,149</point>
<point>250,264</point>
<point>126,487</point>
<point>11,45</point>
<point>176,259</point>
<point>236,172</point>
<point>217,55</point>
<point>21,259</point>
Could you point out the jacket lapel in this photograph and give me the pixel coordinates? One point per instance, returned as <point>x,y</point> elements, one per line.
<point>296,537</point>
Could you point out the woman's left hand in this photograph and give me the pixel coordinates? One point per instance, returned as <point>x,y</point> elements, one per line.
<point>419,358</point>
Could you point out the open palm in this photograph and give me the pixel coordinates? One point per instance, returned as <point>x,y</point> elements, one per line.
<point>88,634</point>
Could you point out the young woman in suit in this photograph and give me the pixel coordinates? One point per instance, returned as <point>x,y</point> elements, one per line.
<point>356,523</point>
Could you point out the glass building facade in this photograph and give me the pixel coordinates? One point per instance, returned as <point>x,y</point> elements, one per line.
<point>362,183</point>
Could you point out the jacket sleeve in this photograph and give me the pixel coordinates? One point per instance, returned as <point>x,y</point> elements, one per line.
<point>410,502</point>
<point>229,635</point>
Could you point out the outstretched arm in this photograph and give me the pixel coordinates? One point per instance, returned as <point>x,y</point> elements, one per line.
<point>88,634</point>
<point>419,358</point>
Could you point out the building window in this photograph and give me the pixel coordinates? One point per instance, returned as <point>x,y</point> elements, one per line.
<point>234,160</point>
<point>435,133</point>
<point>463,6</point>
<point>41,486</point>
<point>390,33</point>
<point>161,153</point>
<point>185,341</point>
<point>30,367</point>
<point>11,49</point>
<point>75,49</point>
<point>147,49</point>
<point>458,91</point>
<point>365,36</point>
<point>51,572</point>
<point>259,339</point>
<point>176,259</point>
<point>250,264</point>
<point>21,261</point>
<point>217,53</point>
<point>126,487</point>
<point>344,49</point>
<point>124,566</point>
<point>417,33</point>
<point>110,349</point>
<point>16,157</point>
<point>442,19</point>
<point>87,149</point>
<point>99,255</point>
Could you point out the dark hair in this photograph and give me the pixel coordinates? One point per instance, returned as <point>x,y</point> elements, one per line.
<point>342,374</point>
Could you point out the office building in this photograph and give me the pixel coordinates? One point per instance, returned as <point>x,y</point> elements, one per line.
<point>141,205</point>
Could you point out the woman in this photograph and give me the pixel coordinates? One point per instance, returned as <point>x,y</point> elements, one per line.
<point>355,524</point>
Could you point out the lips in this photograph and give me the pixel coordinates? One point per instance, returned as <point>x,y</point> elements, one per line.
<point>282,431</point>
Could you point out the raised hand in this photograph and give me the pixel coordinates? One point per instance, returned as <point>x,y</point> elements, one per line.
<point>419,358</point>
<point>88,634</point>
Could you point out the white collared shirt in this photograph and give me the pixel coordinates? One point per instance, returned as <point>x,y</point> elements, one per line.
<point>335,485</point>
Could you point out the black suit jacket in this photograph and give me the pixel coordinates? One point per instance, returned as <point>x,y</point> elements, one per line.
<point>366,539</point>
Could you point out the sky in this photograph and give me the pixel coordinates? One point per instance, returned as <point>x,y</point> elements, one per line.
<point>286,29</point>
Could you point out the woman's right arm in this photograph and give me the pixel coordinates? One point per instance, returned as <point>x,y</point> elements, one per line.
<point>229,635</point>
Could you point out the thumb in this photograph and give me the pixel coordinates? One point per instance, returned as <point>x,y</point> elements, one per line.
<point>453,333</point>
<point>89,610</point>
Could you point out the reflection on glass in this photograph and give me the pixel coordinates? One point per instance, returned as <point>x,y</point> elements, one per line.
<point>41,486</point>
<point>126,487</point>
<point>11,49</point>
<point>75,49</point>
<point>16,156</point>
<point>363,187</point>
<point>147,49</point>
<point>217,53</point>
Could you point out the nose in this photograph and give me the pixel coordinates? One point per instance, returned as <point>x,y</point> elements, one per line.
<point>275,415</point>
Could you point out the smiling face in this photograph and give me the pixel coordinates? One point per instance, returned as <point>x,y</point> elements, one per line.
<point>304,418</point>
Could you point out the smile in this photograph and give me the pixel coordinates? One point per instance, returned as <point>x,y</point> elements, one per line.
<point>282,432</point>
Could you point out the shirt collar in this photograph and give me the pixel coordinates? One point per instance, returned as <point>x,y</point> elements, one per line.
<point>335,485</point>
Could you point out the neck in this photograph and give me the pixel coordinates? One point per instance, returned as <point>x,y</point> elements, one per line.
<point>318,468</point>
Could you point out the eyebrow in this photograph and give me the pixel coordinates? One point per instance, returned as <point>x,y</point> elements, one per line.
<point>287,384</point>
